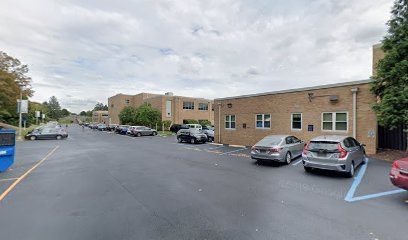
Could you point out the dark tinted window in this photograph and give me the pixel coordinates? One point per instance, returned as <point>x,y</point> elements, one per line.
<point>317,145</point>
<point>349,143</point>
<point>356,143</point>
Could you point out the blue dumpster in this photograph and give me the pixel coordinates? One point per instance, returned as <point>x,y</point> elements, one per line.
<point>7,148</point>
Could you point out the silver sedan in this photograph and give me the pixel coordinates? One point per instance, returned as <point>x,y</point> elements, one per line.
<point>280,148</point>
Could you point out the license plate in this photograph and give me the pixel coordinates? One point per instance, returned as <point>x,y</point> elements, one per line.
<point>262,151</point>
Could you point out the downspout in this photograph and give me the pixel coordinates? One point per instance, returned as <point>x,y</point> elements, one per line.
<point>219,122</point>
<point>354,91</point>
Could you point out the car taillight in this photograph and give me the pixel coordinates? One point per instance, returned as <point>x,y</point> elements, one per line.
<point>343,153</point>
<point>253,148</point>
<point>395,169</point>
<point>275,149</point>
<point>306,148</point>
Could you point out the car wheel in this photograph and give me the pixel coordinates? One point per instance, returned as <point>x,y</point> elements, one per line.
<point>179,140</point>
<point>59,137</point>
<point>193,141</point>
<point>154,133</point>
<point>308,169</point>
<point>32,138</point>
<point>288,158</point>
<point>350,173</point>
<point>138,134</point>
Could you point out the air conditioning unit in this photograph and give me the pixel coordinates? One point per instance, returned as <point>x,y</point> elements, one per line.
<point>334,98</point>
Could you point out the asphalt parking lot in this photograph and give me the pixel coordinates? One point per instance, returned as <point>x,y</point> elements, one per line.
<point>99,185</point>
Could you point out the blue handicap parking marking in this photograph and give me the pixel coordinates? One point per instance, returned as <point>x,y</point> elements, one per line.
<point>357,180</point>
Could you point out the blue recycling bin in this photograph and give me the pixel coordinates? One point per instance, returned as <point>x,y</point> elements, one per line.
<point>7,148</point>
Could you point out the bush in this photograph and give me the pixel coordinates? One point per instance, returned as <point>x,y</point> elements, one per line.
<point>190,121</point>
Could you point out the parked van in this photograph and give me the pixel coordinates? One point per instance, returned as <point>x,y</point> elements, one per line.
<point>195,126</point>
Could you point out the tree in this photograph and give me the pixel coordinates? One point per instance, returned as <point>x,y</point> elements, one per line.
<point>65,112</point>
<point>54,108</point>
<point>146,115</point>
<point>82,113</point>
<point>390,83</point>
<point>12,76</point>
<point>127,115</point>
<point>100,107</point>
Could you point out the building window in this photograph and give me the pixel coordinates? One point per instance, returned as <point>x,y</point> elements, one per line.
<point>296,121</point>
<point>127,101</point>
<point>335,121</point>
<point>188,105</point>
<point>203,106</point>
<point>263,121</point>
<point>230,121</point>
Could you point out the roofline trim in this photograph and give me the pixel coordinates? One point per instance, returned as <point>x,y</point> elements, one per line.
<point>350,83</point>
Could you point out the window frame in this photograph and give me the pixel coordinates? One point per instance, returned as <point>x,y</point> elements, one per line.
<point>301,122</point>
<point>334,121</point>
<point>230,121</point>
<point>206,104</point>
<point>263,121</point>
<point>192,107</point>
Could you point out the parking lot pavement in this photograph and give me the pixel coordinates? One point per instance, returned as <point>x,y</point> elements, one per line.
<point>98,185</point>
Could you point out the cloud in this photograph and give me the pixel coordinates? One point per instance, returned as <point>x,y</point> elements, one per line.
<point>85,51</point>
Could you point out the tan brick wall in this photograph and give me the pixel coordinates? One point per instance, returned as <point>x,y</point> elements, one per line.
<point>280,106</point>
<point>159,102</point>
<point>100,117</point>
<point>116,104</point>
<point>378,54</point>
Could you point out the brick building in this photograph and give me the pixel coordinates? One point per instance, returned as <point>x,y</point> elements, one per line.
<point>343,109</point>
<point>100,117</point>
<point>173,108</point>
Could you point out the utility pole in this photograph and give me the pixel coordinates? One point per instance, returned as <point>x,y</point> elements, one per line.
<point>19,111</point>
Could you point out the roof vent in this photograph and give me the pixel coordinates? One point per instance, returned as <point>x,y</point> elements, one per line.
<point>169,94</point>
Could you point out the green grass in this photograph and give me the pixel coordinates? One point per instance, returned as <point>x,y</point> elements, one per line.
<point>25,132</point>
<point>165,133</point>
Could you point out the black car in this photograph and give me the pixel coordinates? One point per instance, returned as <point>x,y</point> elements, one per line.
<point>191,135</point>
<point>176,127</point>
<point>47,133</point>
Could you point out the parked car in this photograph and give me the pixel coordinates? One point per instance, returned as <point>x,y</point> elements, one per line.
<point>111,127</point>
<point>399,173</point>
<point>122,129</point>
<point>279,148</point>
<point>143,131</point>
<point>47,133</point>
<point>209,133</point>
<point>176,127</point>
<point>101,127</point>
<point>130,129</point>
<point>196,126</point>
<point>191,135</point>
<point>338,153</point>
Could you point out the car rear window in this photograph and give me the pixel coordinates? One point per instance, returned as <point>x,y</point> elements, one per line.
<point>269,141</point>
<point>323,145</point>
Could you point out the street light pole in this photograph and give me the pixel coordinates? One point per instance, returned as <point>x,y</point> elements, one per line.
<point>19,110</point>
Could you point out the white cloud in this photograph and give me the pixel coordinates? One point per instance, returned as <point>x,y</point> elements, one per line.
<point>85,51</point>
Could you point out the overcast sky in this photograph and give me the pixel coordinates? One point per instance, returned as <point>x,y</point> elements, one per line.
<point>85,51</point>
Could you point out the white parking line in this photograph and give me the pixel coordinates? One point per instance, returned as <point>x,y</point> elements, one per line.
<point>296,163</point>
<point>233,151</point>
<point>215,148</point>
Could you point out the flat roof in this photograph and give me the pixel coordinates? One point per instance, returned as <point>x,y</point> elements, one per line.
<point>299,89</point>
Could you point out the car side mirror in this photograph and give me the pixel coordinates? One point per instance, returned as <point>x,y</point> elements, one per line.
<point>362,145</point>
